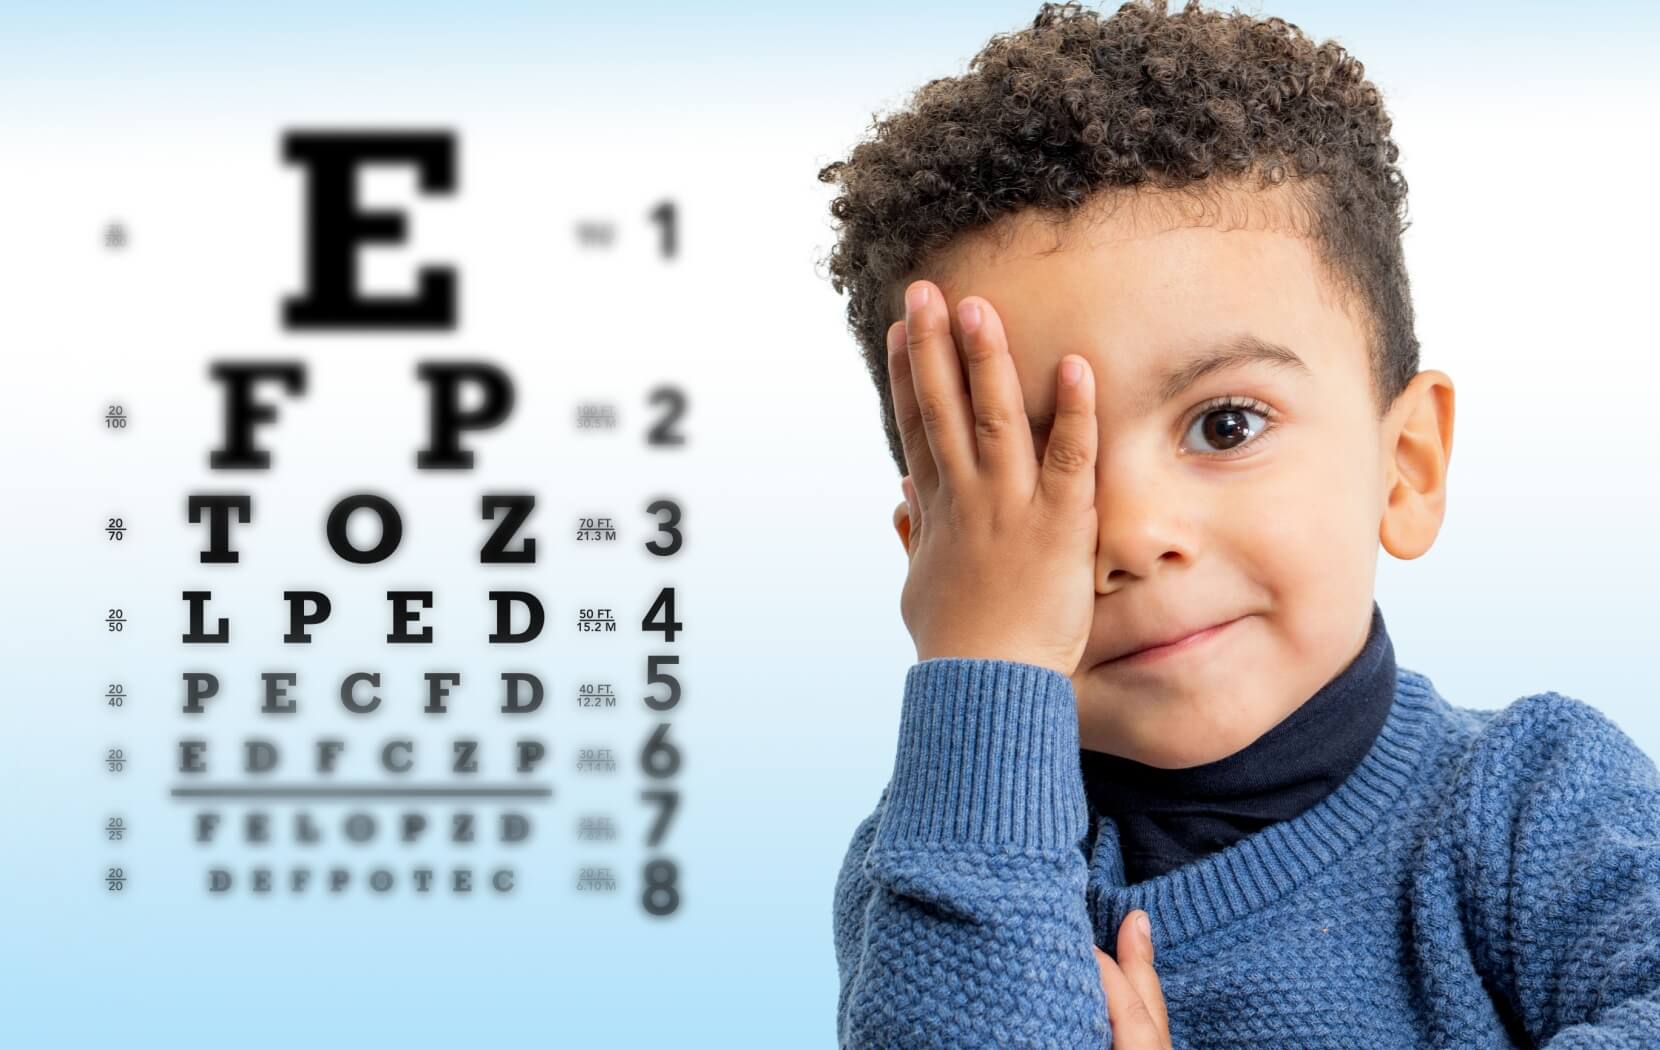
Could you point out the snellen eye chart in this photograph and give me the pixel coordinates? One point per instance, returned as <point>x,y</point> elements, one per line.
<point>360,727</point>
<point>329,704</point>
<point>377,680</point>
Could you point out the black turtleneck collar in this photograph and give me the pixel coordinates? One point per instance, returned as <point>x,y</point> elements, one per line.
<point>1168,817</point>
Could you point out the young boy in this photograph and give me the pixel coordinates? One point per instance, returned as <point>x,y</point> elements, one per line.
<point>1133,297</point>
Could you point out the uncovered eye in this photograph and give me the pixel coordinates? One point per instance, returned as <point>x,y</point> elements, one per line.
<point>1223,428</point>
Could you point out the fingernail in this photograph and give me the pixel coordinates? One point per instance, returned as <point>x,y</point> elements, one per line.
<point>1070,371</point>
<point>896,337</point>
<point>916,297</point>
<point>968,311</point>
<point>1144,926</point>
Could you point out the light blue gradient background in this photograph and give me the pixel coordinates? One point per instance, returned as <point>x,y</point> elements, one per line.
<point>1525,135</point>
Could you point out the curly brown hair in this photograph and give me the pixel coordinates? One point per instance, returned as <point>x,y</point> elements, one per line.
<point>1191,102</point>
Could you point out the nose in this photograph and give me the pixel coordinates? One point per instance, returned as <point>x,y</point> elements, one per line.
<point>1141,523</point>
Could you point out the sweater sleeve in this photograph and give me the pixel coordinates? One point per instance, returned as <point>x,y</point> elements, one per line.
<point>961,915</point>
<point>1573,914</point>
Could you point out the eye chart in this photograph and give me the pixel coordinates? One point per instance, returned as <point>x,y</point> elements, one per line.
<point>345,784</point>
<point>406,530</point>
<point>424,636</point>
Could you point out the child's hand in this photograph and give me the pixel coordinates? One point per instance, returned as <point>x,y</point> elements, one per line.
<point>1002,547</point>
<point>1135,1000</point>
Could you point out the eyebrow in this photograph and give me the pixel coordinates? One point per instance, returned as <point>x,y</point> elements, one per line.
<point>1234,352</point>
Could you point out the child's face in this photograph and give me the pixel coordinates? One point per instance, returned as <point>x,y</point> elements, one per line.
<point>1269,514</point>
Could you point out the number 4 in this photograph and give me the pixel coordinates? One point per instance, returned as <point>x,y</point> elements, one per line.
<point>669,625</point>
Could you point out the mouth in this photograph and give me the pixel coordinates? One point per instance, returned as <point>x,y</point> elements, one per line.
<point>1181,646</point>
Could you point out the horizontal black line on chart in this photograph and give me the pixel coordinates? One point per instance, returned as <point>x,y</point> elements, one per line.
<point>320,791</point>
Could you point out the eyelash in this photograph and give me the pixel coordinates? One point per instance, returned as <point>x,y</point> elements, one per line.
<point>1230,402</point>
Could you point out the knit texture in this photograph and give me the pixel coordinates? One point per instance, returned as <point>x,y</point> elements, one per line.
<point>1170,817</point>
<point>1482,879</point>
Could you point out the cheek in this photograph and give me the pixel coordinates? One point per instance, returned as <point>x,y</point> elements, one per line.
<point>1308,525</point>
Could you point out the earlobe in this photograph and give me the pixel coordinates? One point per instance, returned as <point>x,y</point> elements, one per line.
<point>902,525</point>
<point>1416,501</point>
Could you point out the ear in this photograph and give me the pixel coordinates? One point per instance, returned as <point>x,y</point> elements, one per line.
<point>902,525</point>
<point>1419,437</point>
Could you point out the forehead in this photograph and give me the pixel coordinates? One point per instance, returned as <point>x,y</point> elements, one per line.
<point>1141,281</point>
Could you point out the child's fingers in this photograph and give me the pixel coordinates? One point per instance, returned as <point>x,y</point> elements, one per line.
<point>1068,475</point>
<point>1133,1025</point>
<point>1135,959</point>
<point>1002,432</point>
<point>919,462</point>
<point>941,394</point>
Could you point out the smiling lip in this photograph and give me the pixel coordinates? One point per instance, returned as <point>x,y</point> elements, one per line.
<point>1156,652</point>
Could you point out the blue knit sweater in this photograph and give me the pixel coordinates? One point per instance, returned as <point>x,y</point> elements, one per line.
<point>1482,879</point>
